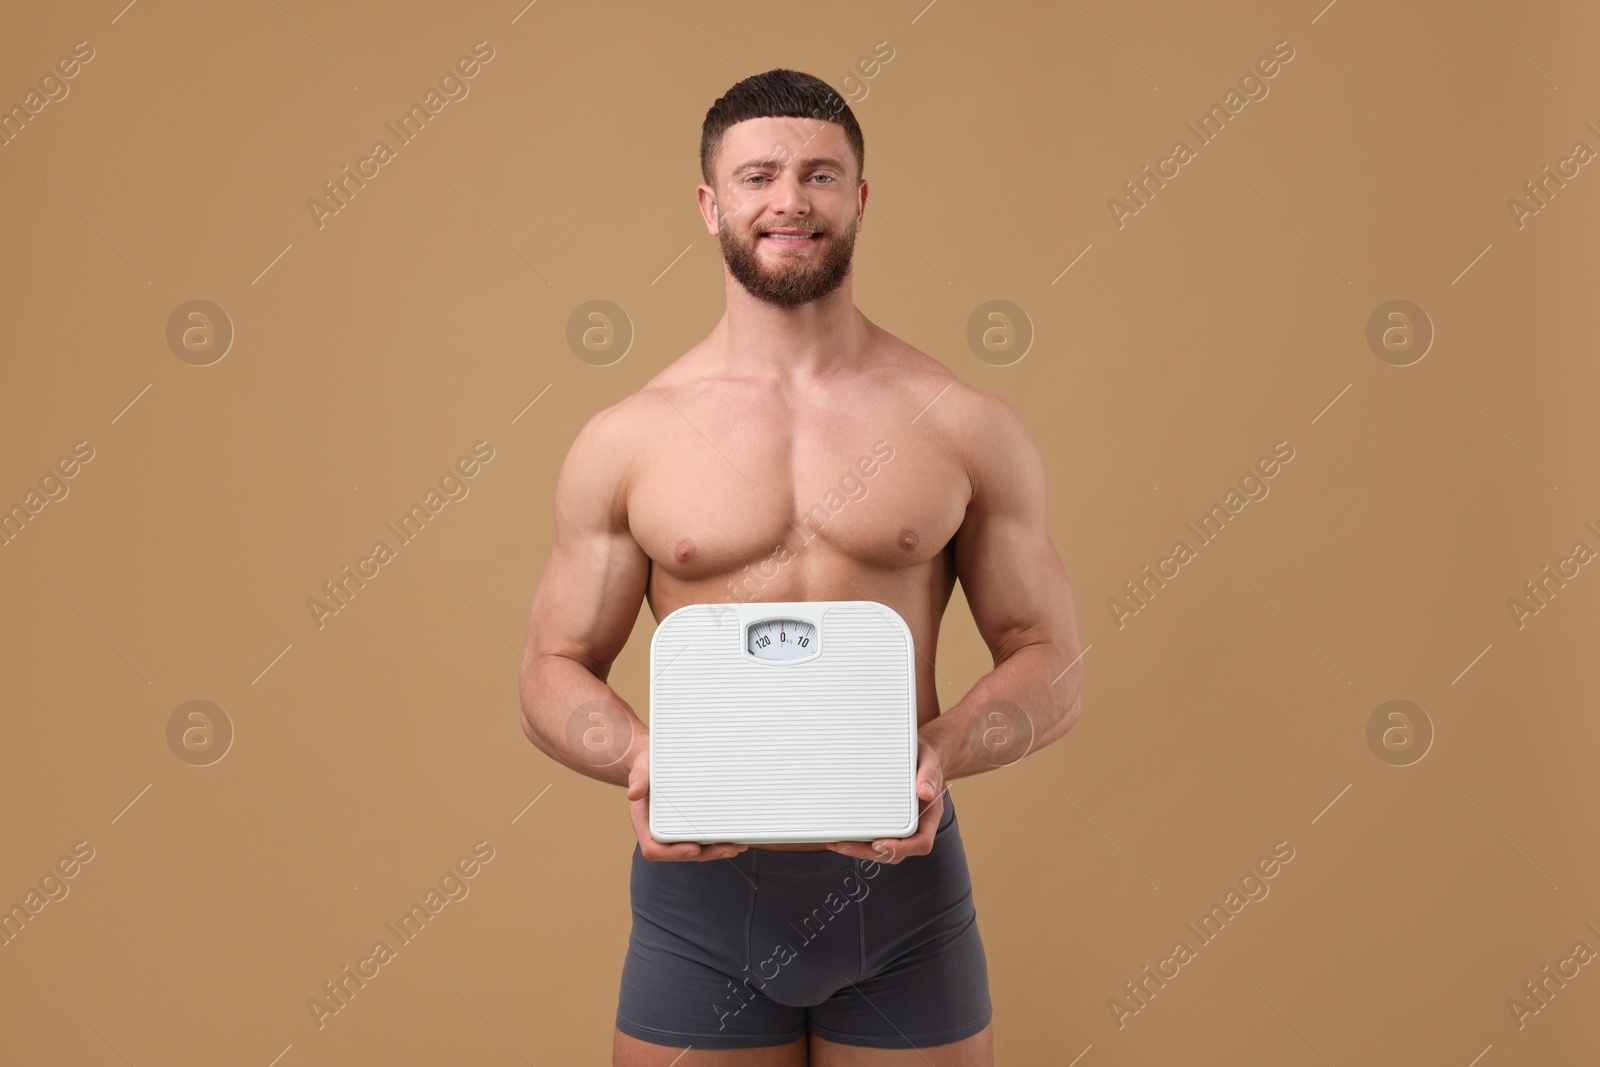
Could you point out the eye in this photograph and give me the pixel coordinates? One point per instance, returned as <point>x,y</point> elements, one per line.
<point>829,177</point>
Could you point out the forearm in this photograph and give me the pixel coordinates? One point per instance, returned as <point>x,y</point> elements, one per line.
<point>1027,702</point>
<point>578,720</point>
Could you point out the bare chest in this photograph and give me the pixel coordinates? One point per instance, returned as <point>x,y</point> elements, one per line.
<point>772,496</point>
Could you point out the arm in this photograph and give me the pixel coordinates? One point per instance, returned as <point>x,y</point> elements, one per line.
<point>1022,602</point>
<point>583,610</point>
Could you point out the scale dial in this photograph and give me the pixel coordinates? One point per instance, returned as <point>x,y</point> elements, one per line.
<point>781,640</point>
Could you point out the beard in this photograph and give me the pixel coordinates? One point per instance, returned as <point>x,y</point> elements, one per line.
<point>799,278</point>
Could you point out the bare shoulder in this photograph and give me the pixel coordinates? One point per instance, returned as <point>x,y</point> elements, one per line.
<point>637,418</point>
<point>607,434</point>
<point>605,454</point>
<point>982,426</point>
<point>598,469</point>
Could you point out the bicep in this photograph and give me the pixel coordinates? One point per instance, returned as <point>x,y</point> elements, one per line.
<point>1010,573</point>
<point>589,595</point>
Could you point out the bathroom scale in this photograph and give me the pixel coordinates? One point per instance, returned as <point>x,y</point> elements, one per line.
<point>783,722</point>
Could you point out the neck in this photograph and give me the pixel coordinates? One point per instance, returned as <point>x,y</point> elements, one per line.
<point>822,337</point>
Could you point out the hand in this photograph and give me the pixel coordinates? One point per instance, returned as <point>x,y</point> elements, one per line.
<point>930,792</point>
<point>639,812</point>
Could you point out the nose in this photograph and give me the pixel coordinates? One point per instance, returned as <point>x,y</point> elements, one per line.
<point>789,195</point>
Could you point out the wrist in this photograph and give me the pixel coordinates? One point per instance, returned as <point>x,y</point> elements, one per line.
<point>945,743</point>
<point>638,744</point>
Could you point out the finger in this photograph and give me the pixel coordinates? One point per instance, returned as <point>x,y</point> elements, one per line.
<point>639,814</point>
<point>668,852</point>
<point>697,853</point>
<point>919,843</point>
<point>725,850</point>
<point>660,851</point>
<point>638,780</point>
<point>673,851</point>
<point>649,847</point>
<point>928,826</point>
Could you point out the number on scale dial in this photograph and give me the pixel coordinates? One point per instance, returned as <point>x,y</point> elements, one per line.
<point>781,639</point>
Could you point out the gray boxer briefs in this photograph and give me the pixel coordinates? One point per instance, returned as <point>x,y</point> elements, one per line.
<point>759,948</point>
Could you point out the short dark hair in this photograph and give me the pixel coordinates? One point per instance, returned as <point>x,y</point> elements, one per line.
<point>778,93</point>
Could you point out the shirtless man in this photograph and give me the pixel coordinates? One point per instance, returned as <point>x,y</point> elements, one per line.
<point>721,481</point>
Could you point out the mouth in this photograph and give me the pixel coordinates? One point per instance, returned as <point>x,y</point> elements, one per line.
<point>792,237</point>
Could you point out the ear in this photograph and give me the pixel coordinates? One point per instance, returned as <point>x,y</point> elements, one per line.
<point>706,198</point>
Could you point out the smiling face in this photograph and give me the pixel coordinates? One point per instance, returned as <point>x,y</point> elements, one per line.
<point>787,207</point>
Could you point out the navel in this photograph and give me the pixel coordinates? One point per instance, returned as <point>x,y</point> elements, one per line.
<point>908,538</point>
<point>685,550</point>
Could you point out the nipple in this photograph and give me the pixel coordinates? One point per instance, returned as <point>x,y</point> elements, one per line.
<point>685,550</point>
<point>908,538</point>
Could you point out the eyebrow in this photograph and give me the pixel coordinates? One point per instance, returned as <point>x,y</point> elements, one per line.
<point>804,164</point>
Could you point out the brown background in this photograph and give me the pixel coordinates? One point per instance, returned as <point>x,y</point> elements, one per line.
<point>370,354</point>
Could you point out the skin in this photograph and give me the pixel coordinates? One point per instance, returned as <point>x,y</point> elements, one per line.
<point>687,491</point>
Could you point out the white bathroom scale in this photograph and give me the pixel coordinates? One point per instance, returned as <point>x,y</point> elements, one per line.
<point>783,722</point>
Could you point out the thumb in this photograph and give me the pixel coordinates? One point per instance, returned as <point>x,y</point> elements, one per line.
<point>639,779</point>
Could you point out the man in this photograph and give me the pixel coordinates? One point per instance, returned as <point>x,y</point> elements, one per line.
<point>720,481</point>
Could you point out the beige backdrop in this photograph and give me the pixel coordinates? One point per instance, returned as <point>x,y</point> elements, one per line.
<point>233,456</point>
